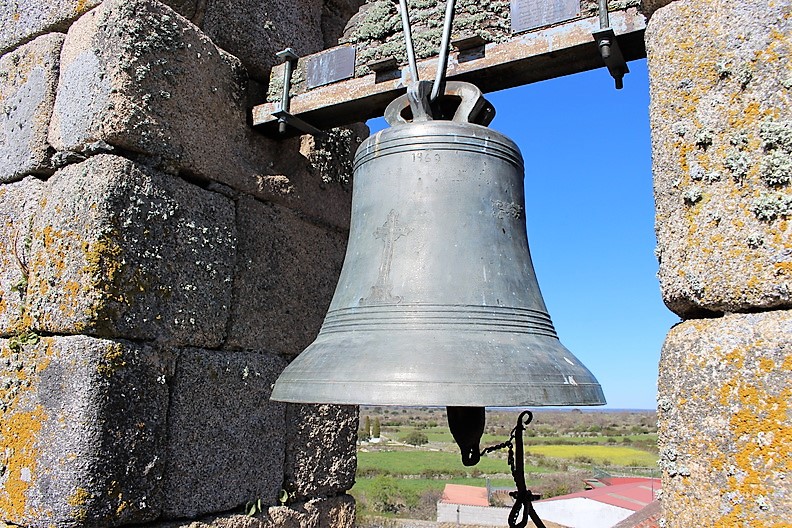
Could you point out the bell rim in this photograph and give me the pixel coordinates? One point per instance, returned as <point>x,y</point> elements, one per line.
<point>484,371</point>
<point>394,394</point>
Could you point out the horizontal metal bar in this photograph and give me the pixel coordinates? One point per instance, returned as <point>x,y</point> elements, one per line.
<point>526,58</point>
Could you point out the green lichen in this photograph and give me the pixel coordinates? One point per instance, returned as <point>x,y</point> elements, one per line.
<point>381,19</point>
<point>333,154</point>
<point>769,206</point>
<point>723,68</point>
<point>744,75</point>
<point>703,138</point>
<point>275,87</point>
<point>739,140</point>
<point>17,342</point>
<point>378,34</point>
<point>776,135</point>
<point>737,163</point>
<point>755,241</point>
<point>692,195</point>
<point>776,169</point>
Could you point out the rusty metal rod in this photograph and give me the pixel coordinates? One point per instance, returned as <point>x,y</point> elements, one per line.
<point>408,42</point>
<point>442,60</point>
<point>603,14</point>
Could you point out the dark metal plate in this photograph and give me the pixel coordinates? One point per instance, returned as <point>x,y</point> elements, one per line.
<point>530,14</point>
<point>329,67</point>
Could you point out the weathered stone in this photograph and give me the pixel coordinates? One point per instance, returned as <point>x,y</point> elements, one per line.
<point>721,114</point>
<point>18,205</point>
<point>320,450</point>
<point>23,20</point>
<point>255,31</point>
<point>376,31</point>
<point>331,156</point>
<point>226,438</point>
<point>725,421</point>
<point>137,76</point>
<point>120,250</point>
<point>83,431</point>
<point>28,77</point>
<point>336,14</point>
<point>285,276</point>
<point>648,7</point>
<point>334,512</point>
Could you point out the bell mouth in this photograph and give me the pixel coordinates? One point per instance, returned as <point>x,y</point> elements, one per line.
<point>457,368</point>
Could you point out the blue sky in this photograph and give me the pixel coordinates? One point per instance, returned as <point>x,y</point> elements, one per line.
<point>590,217</point>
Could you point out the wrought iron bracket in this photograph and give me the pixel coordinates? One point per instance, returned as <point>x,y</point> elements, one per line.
<point>609,47</point>
<point>288,123</point>
<point>612,55</point>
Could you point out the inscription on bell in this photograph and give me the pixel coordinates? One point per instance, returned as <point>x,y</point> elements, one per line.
<point>530,14</point>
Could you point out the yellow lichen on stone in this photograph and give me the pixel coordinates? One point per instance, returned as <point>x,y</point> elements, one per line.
<point>79,501</point>
<point>21,424</point>
<point>18,441</point>
<point>760,430</point>
<point>112,361</point>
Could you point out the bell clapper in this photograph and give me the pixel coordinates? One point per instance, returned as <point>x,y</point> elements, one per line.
<point>467,428</point>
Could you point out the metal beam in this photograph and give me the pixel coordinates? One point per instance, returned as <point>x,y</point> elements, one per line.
<point>526,58</point>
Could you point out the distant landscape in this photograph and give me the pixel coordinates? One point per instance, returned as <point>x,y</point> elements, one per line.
<point>406,456</point>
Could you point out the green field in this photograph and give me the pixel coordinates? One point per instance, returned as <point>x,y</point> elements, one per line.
<point>441,435</point>
<point>405,463</point>
<point>367,485</point>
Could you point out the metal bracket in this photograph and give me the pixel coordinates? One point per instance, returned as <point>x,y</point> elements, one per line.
<point>285,119</point>
<point>612,55</point>
<point>609,47</point>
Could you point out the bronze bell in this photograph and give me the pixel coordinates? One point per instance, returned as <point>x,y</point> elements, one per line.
<point>438,303</point>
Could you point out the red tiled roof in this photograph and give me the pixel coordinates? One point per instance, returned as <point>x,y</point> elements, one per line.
<point>630,496</point>
<point>649,517</point>
<point>614,481</point>
<point>467,495</point>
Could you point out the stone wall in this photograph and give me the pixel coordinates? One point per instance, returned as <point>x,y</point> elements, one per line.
<point>160,263</point>
<point>721,118</point>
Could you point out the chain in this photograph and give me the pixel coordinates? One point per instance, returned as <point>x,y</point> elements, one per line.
<point>497,447</point>
<point>522,496</point>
